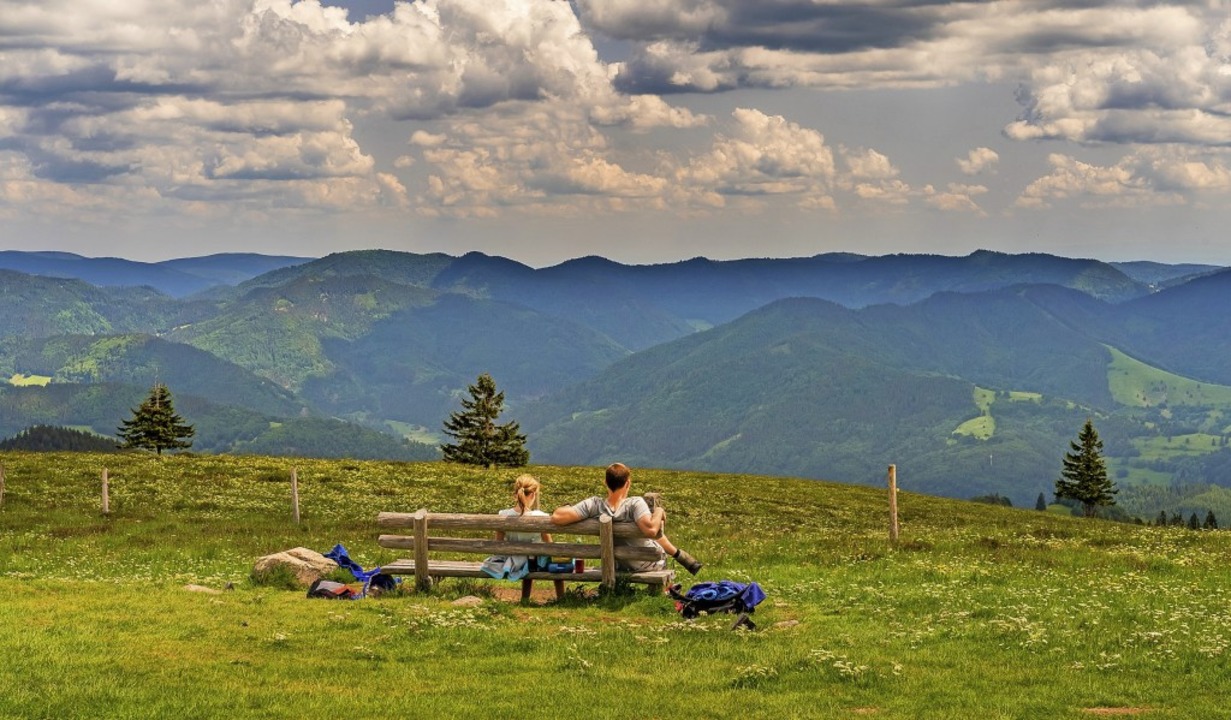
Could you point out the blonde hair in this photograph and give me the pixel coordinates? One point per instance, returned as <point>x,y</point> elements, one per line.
<point>526,493</point>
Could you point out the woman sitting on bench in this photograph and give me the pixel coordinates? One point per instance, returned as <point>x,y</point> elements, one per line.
<point>514,567</point>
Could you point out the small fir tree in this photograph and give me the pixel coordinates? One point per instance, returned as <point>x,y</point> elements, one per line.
<point>155,425</point>
<point>1041,503</point>
<point>1193,522</point>
<point>478,439</point>
<point>1211,522</point>
<point>1161,520</point>
<point>1084,476</point>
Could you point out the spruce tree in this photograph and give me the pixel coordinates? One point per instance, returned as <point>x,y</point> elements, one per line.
<point>155,425</point>
<point>1211,522</point>
<point>1161,520</point>
<point>1041,503</point>
<point>1084,476</point>
<point>478,439</point>
<point>1193,523</point>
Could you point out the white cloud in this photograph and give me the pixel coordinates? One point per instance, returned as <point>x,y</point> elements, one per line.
<point>955,197</point>
<point>1071,180</point>
<point>762,154</point>
<point>978,160</point>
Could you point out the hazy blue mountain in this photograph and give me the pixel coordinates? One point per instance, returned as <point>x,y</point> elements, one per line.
<point>643,305</point>
<point>177,278</point>
<point>590,291</point>
<point>231,268</point>
<point>1185,329</point>
<point>1157,274</point>
<point>400,268</point>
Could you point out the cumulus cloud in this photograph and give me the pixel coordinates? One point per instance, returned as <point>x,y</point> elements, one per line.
<point>1128,183</point>
<point>1108,71</point>
<point>219,100</point>
<point>507,105</point>
<point>762,155</point>
<point>978,160</point>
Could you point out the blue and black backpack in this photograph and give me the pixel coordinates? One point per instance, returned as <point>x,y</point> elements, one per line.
<point>725,596</point>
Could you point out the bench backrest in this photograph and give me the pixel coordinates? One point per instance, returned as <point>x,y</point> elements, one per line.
<point>421,543</point>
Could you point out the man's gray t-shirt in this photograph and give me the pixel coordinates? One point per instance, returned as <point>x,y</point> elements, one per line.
<point>630,510</point>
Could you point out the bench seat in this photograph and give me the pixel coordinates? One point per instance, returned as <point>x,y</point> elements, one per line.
<point>465,569</point>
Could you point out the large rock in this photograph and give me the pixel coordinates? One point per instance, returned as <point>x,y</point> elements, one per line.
<point>307,565</point>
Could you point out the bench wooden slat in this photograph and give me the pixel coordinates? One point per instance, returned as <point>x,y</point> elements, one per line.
<point>511,547</point>
<point>460,568</point>
<point>470,521</point>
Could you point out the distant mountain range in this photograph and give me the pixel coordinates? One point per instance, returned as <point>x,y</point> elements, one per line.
<point>970,373</point>
<point>177,278</point>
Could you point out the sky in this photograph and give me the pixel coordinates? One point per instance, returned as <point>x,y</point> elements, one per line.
<point>644,131</point>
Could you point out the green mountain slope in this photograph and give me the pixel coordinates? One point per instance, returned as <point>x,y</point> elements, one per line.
<point>219,428</point>
<point>141,360</point>
<point>278,331</point>
<point>805,387</point>
<point>411,366</point>
<point>33,306</point>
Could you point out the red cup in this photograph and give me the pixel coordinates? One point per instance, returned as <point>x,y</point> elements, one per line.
<point>579,565</point>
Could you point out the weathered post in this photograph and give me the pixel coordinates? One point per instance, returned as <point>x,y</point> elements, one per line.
<point>422,580</point>
<point>607,552</point>
<point>106,493</point>
<point>295,495</point>
<point>893,504</point>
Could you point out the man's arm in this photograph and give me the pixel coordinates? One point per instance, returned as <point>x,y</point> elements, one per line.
<point>565,515</point>
<point>650,524</point>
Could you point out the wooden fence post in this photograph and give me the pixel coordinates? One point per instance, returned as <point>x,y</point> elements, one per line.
<point>422,580</point>
<point>106,493</point>
<point>893,504</point>
<point>295,495</point>
<point>607,552</point>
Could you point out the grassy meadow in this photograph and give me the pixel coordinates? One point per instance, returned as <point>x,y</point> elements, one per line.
<point>979,612</point>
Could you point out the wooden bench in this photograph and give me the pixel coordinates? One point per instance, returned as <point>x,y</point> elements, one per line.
<point>425,567</point>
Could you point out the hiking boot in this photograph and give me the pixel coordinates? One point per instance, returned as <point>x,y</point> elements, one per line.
<point>690,563</point>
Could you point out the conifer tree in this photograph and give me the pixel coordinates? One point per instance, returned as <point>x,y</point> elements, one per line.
<point>155,424</point>
<point>478,439</point>
<point>1193,523</point>
<point>1041,503</point>
<point>1211,522</point>
<point>1161,520</point>
<point>1084,476</point>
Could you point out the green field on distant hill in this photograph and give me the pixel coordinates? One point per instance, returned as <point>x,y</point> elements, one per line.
<point>978,612</point>
<point>1135,384</point>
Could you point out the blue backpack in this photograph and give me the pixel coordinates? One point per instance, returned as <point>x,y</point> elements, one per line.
<point>725,596</point>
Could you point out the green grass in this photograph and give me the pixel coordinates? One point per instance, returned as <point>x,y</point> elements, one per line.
<point>1135,384</point>
<point>1177,446</point>
<point>414,433</point>
<point>22,380</point>
<point>979,612</point>
<point>983,427</point>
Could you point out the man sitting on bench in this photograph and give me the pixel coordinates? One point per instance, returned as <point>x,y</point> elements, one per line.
<point>621,508</point>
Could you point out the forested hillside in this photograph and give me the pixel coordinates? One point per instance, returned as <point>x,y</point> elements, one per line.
<point>969,373</point>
